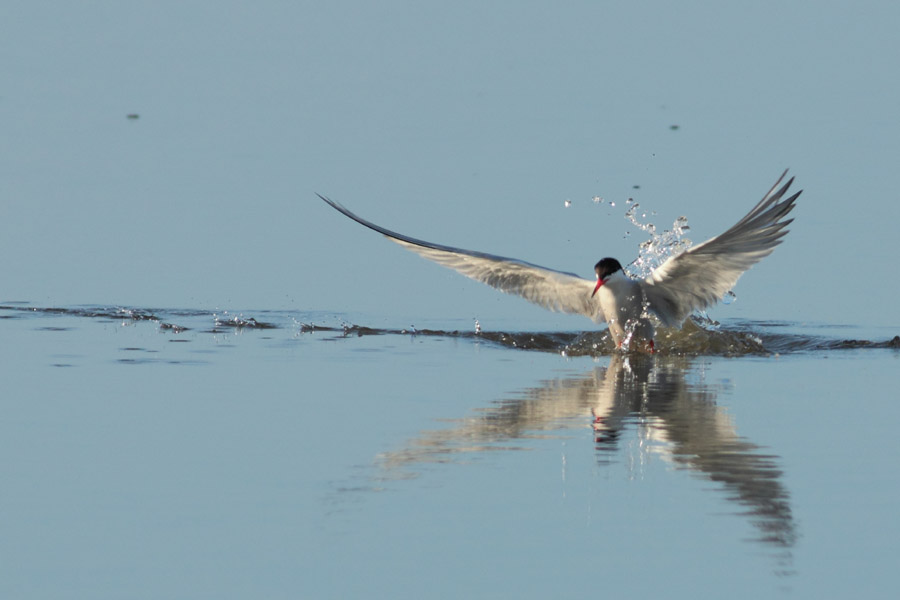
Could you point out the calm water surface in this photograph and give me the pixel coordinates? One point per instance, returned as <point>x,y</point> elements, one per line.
<point>166,453</point>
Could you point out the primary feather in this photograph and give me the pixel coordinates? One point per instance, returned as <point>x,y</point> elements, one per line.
<point>700,277</point>
<point>554,290</point>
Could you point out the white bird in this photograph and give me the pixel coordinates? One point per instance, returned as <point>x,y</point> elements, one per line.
<point>688,282</point>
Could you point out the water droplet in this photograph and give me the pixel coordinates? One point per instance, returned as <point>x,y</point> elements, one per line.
<point>568,203</point>
<point>729,297</point>
<point>611,203</point>
<point>597,200</point>
<point>659,248</point>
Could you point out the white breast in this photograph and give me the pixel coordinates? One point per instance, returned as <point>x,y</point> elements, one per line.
<point>621,300</point>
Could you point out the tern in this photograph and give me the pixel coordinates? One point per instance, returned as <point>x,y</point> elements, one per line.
<point>691,281</point>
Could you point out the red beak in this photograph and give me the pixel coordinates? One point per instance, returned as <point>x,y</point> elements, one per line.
<point>597,287</point>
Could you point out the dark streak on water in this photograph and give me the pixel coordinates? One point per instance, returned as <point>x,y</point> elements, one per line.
<point>698,337</point>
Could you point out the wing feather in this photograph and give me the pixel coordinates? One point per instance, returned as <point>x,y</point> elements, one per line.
<point>700,277</point>
<point>554,290</point>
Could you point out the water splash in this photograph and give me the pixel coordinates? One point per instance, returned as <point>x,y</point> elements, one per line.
<point>238,322</point>
<point>697,337</point>
<point>660,246</point>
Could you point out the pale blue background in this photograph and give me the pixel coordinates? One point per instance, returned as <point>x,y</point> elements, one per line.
<point>464,123</point>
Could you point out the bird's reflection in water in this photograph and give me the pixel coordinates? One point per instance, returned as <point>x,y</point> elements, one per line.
<point>694,433</point>
<point>664,400</point>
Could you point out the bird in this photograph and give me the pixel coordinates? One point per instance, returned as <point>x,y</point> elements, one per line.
<point>691,281</point>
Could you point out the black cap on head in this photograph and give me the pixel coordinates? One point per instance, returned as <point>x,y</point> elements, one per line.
<point>607,267</point>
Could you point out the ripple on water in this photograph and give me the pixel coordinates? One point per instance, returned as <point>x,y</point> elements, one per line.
<point>698,336</point>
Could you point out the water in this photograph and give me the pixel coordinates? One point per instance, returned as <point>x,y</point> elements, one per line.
<point>200,453</point>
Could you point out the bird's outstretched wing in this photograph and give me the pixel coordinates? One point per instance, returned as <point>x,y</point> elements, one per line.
<point>701,276</point>
<point>554,290</point>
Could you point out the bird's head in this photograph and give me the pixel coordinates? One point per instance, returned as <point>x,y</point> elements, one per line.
<point>604,269</point>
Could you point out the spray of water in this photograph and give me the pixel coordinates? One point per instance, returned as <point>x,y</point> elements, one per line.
<point>659,246</point>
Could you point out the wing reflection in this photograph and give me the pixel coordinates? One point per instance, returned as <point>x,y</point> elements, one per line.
<point>695,433</point>
<point>663,400</point>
